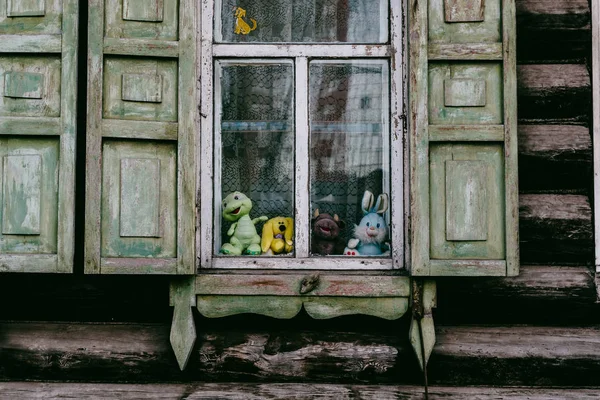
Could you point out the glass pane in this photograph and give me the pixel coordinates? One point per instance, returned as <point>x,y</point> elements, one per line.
<point>309,21</point>
<point>254,114</point>
<point>349,155</point>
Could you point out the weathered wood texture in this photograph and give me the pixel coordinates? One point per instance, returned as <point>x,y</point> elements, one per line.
<point>510,355</point>
<point>554,157</point>
<point>547,295</point>
<point>550,31</point>
<point>272,391</point>
<point>544,295</point>
<point>556,229</point>
<point>596,124</point>
<point>554,93</point>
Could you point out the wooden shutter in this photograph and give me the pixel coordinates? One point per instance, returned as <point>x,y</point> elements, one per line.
<point>38,68</point>
<point>140,164</point>
<point>463,138</point>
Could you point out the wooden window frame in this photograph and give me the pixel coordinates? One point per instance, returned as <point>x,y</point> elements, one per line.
<point>301,53</point>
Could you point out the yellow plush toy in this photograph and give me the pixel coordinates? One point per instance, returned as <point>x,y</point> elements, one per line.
<point>277,235</point>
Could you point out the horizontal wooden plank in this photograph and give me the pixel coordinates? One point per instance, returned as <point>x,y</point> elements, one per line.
<point>465,51</point>
<point>555,141</point>
<point>543,282</point>
<point>553,30</point>
<point>540,294</point>
<point>30,126</point>
<point>467,267</point>
<point>272,391</point>
<point>141,47</point>
<point>507,355</point>
<point>29,263</point>
<point>301,50</point>
<point>30,44</point>
<point>554,92</point>
<point>555,228</point>
<point>138,266</point>
<point>537,295</point>
<point>126,129</point>
<point>568,14</point>
<point>289,285</point>
<point>554,157</point>
<point>466,133</point>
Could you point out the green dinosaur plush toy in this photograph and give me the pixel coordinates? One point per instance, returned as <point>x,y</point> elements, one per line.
<point>244,238</point>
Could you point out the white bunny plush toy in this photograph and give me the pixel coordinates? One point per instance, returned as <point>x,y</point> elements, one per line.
<point>370,234</point>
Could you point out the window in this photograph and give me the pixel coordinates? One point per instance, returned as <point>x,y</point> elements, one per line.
<point>301,114</point>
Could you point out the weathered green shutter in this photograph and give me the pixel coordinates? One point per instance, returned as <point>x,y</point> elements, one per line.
<point>38,68</point>
<point>463,144</point>
<point>140,211</point>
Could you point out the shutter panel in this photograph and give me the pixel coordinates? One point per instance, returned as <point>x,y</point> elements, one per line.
<point>38,69</point>
<point>140,188</point>
<point>463,143</point>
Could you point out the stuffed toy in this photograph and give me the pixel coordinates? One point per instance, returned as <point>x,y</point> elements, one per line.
<point>326,238</point>
<point>277,235</point>
<point>371,232</point>
<point>244,239</point>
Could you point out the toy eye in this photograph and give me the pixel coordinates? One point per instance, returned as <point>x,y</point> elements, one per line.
<point>224,205</point>
<point>368,224</point>
<point>378,225</point>
<point>236,197</point>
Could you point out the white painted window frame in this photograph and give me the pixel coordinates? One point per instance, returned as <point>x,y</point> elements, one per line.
<point>596,123</point>
<point>394,52</point>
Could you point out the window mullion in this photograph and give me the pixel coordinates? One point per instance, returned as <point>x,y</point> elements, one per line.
<point>205,235</point>
<point>302,202</point>
<point>398,127</point>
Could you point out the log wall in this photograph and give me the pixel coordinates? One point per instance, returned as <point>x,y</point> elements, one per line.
<point>538,329</point>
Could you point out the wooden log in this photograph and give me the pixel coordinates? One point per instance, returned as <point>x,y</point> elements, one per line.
<point>541,295</point>
<point>474,355</point>
<point>555,229</point>
<point>555,93</point>
<point>554,157</point>
<point>271,391</point>
<point>537,295</point>
<point>557,30</point>
<point>84,298</point>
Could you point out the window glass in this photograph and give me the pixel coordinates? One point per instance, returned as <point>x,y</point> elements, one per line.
<point>254,114</point>
<point>349,154</point>
<point>332,21</point>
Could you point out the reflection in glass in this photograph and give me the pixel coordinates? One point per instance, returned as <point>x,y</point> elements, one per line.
<point>349,144</point>
<point>332,21</point>
<point>254,113</point>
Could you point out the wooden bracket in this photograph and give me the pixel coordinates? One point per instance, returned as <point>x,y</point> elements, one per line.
<point>422,330</point>
<point>183,329</point>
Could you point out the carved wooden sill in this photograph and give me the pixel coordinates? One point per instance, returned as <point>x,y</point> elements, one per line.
<point>282,295</point>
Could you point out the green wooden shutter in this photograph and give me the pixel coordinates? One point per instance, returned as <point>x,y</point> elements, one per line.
<point>140,209</point>
<point>463,138</point>
<point>38,66</point>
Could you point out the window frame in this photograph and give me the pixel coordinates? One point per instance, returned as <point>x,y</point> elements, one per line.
<point>301,54</point>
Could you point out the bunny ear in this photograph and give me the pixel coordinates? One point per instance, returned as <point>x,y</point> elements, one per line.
<point>367,202</point>
<point>382,203</point>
